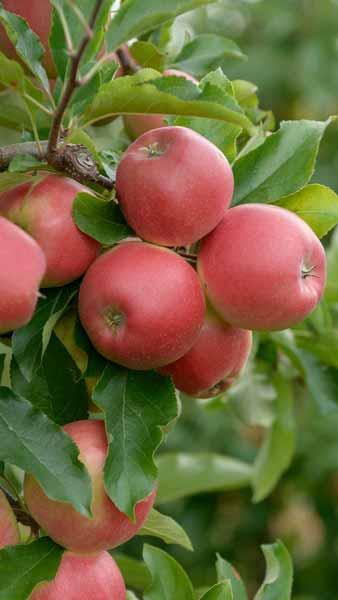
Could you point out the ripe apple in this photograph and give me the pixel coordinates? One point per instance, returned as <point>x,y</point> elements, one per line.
<point>38,15</point>
<point>136,125</point>
<point>109,527</point>
<point>262,267</point>
<point>44,210</point>
<point>22,267</point>
<point>9,530</point>
<point>141,305</point>
<point>174,186</point>
<point>214,361</point>
<point>83,577</point>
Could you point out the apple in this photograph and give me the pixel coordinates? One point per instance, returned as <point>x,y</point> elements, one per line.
<point>9,530</point>
<point>214,361</point>
<point>136,125</point>
<point>83,577</point>
<point>141,305</point>
<point>109,527</point>
<point>262,267</point>
<point>44,210</point>
<point>22,267</point>
<point>38,15</point>
<point>173,186</point>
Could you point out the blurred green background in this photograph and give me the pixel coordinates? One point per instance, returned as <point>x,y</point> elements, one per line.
<point>292,49</point>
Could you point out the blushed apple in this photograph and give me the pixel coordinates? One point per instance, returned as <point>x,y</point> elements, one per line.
<point>262,267</point>
<point>173,186</point>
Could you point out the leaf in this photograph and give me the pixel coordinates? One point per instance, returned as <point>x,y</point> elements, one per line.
<point>12,76</point>
<point>34,443</point>
<point>323,345</point>
<point>147,54</point>
<point>136,405</point>
<point>252,397</point>
<point>22,567</point>
<point>278,447</point>
<point>316,204</point>
<point>169,580</point>
<point>30,342</point>
<point>226,571</point>
<point>136,17</point>
<point>57,387</point>
<point>165,528</point>
<point>100,219</point>
<point>223,135</point>
<point>24,162</point>
<point>182,474</point>
<point>204,52</point>
<point>147,92</point>
<point>134,572</point>
<point>5,362</point>
<point>280,166</point>
<point>220,591</point>
<point>277,584</point>
<point>27,44</point>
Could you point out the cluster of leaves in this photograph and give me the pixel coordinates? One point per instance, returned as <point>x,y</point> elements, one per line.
<point>48,367</point>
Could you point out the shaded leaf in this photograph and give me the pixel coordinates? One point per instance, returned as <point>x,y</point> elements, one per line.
<point>169,580</point>
<point>226,571</point>
<point>204,52</point>
<point>134,572</point>
<point>165,528</point>
<point>100,219</point>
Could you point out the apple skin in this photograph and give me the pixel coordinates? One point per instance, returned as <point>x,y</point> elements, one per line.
<point>215,360</point>
<point>44,210</point>
<point>262,268</point>
<point>109,527</point>
<point>173,186</point>
<point>22,267</point>
<point>9,530</point>
<point>38,15</point>
<point>136,125</point>
<point>141,305</point>
<point>83,577</point>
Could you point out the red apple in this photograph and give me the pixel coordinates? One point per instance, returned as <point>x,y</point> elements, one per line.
<point>38,15</point>
<point>9,531</point>
<point>262,267</point>
<point>83,577</point>
<point>22,267</point>
<point>141,305</point>
<point>136,125</point>
<point>109,527</point>
<point>214,361</point>
<point>174,186</point>
<point>44,210</point>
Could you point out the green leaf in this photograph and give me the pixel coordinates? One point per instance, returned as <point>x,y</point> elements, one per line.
<point>24,162</point>
<point>100,219</point>
<point>278,579</point>
<point>252,397</point>
<point>57,387</point>
<point>30,342</point>
<point>182,474</point>
<point>280,166</point>
<point>136,17</point>
<point>316,204</point>
<point>27,44</point>
<point>5,362</point>
<point>34,443</point>
<point>169,580</point>
<point>226,571</point>
<point>136,404</point>
<point>278,447</point>
<point>323,345</point>
<point>147,54</point>
<point>220,591</point>
<point>165,528</point>
<point>134,572</point>
<point>205,52</point>
<point>147,92</point>
<point>12,76</point>
<point>23,567</point>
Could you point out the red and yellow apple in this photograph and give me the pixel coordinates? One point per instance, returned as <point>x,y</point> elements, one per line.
<point>215,360</point>
<point>262,267</point>
<point>9,530</point>
<point>141,305</point>
<point>108,527</point>
<point>173,186</point>
<point>44,210</point>
<point>22,267</point>
<point>83,577</point>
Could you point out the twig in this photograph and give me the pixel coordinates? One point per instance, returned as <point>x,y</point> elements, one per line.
<point>70,87</point>
<point>22,516</point>
<point>7,153</point>
<point>127,62</point>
